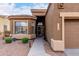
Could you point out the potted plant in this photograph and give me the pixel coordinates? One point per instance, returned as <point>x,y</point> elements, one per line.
<point>25,40</point>
<point>7,33</point>
<point>8,40</point>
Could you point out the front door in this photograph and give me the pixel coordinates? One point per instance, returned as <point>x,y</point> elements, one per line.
<point>40,31</point>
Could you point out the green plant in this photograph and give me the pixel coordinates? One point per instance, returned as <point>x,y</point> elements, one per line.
<point>25,40</point>
<point>8,40</point>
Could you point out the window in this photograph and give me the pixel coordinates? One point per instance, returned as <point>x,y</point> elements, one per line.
<point>24,27</point>
<point>5,27</point>
<point>31,28</point>
<point>21,27</point>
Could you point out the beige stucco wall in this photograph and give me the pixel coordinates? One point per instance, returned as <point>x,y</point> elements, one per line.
<point>53,18</point>
<point>4,21</point>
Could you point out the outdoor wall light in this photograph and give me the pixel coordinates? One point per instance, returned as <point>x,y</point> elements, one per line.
<point>60,5</point>
<point>58,26</point>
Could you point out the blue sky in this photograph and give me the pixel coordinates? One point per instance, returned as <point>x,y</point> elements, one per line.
<point>20,8</point>
<point>23,4</point>
<point>31,5</point>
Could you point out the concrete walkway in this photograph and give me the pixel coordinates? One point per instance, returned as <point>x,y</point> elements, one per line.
<point>72,52</point>
<point>38,48</point>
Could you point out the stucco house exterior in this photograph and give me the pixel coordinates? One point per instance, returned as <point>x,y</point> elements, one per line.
<point>22,24</point>
<point>62,25</point>
<point>59,24</point>
<point>3,23</point>
<point>19,25</point>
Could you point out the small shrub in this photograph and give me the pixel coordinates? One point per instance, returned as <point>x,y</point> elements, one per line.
<point>25,40</point>
<point>8,40</point>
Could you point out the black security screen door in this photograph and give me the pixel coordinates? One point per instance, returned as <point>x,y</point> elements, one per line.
<point>40,26</point>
